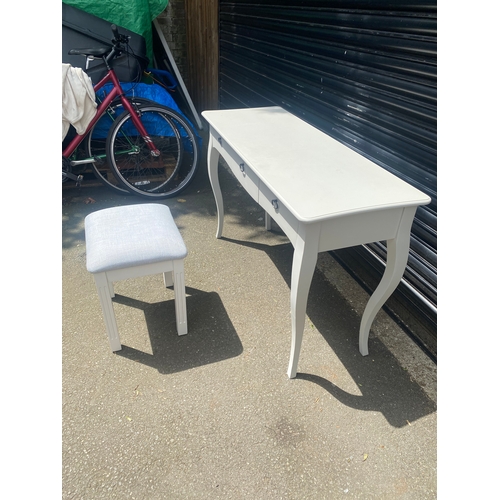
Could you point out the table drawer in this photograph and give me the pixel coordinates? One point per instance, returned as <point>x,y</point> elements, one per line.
<point>282,216</point>
<point>243,173</point>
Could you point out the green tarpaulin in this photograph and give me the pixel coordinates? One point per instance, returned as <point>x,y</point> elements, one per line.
<point>134,15</point>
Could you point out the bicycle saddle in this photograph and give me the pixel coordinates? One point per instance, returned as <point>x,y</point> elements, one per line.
<point>96,52</point>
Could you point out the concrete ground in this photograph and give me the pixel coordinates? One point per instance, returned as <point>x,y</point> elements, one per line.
<point>213,414</point>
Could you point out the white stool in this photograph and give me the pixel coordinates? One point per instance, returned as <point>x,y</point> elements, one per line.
<point>133,241</point>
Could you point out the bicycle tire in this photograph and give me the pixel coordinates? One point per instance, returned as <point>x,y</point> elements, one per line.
<point>95,146</point>
<point>137,169</point>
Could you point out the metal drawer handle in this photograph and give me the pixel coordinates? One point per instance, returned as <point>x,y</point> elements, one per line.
<point>274,203</point>
<point>242,167</point>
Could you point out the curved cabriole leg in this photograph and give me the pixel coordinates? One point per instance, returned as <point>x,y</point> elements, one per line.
<point>305,256</point>
<point>397,258</point>
<point>213,175</point>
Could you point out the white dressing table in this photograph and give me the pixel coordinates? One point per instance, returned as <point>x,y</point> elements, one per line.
<point>322,194</point>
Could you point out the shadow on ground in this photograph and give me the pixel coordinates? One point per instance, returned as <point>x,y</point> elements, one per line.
<point>385,386</point>
<point>211,336</point>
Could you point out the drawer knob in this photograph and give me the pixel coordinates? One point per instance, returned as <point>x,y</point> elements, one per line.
<point>242,167</point>
<point>274,203</point>
<point>220,140</point>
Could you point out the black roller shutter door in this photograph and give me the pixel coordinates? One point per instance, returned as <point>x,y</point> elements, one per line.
<point>364,72</point>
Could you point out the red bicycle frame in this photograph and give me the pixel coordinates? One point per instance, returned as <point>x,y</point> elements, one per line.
<point>116,91</point>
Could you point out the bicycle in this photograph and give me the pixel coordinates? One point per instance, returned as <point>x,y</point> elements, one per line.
<point>149,150</point>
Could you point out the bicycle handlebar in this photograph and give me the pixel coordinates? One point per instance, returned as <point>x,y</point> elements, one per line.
<point>118,38</point>
<point>114,29</point>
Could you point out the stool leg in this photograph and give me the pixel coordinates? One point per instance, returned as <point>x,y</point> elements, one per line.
<point>168,279</point>
<point>180,297</point>
<point>103,291</point>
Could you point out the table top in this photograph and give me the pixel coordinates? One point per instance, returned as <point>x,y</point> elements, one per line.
<point>313,175</point>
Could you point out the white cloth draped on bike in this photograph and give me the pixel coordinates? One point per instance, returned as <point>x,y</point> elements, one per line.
<point>78,99</point>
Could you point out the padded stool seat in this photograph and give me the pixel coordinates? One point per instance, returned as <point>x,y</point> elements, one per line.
<point>133,241</point>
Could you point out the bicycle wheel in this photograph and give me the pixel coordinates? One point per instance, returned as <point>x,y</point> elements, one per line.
<point>95,147</point>
<point>139,171</point>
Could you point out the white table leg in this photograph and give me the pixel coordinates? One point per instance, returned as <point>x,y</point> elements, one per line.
<point>168,279</point>
<point>213,175</point>
<point>397,258</point>
<point>305,256</point>
<point>180,297</point>
<point>267,221</point>
<point>108,313</point>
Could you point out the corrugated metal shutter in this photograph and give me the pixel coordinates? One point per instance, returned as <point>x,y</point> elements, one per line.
<point>364,72</point>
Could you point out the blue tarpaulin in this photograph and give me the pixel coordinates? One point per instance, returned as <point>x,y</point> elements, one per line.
<point>152,92</point>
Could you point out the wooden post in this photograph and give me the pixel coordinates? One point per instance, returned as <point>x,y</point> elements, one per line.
<point>202,30</point>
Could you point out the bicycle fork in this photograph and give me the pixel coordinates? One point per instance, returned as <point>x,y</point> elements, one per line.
<point>135,115</point>
<point>154,152</point>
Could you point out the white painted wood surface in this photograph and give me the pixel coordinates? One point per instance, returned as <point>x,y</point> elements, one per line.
<point>322,194</point>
